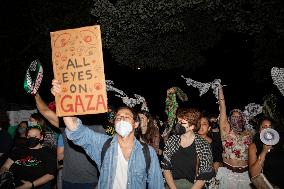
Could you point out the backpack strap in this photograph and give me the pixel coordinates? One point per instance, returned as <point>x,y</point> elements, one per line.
<point>145,149</point>
<point>147,156</point>
<point>104,150</point>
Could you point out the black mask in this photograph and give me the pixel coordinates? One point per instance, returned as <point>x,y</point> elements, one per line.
<point>33,142</point>
<point>179,129</point>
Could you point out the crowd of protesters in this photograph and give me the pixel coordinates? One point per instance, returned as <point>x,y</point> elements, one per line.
<point>130,149</point>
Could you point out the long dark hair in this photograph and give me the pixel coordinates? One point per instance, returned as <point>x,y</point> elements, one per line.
<point>151,129</point>
<point>256,139</point>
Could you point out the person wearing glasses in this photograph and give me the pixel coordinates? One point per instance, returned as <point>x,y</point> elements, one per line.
<point>123,165</point>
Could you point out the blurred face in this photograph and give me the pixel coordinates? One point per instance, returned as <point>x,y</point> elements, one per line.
<point>32,122</point>
<point>237,121</point>
<point>143,123</point>
<point>23,125</point>
<point>34,133</point>
<point>22,129</point>
<point>213,120</point>
<point>204,126</point>
<point>236,115</point>
<point>264,125</point>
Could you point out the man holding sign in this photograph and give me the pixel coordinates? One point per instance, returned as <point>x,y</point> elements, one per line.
<point>123,163</point>
<point>79,88</point>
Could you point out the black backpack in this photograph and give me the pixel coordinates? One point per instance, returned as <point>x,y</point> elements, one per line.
<point>145,149</point>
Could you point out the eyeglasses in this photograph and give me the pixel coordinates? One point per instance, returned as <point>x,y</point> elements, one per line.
<point>119,118</point>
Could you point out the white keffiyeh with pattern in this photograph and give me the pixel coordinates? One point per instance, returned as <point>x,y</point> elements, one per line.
<point>204,87</point>
<point>128,101</point>
<point>277,75</point>
<point>250,111</point>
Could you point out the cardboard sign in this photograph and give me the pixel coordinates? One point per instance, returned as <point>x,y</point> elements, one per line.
<point>78,63</point>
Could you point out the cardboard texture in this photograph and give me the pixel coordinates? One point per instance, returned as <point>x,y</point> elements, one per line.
<point>78,63</point>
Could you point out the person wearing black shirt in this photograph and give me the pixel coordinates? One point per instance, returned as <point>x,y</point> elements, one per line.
<point>214,139</point>
<point>187,158</point>
<point>34,166</point>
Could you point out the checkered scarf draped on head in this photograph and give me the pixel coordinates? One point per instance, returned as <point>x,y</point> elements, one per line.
<point>237,122</point>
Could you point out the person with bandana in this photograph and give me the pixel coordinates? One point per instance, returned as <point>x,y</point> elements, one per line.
<point>33,166</point>
<point>187,161</point>
<point>123,165</point>
<point>235,141</point>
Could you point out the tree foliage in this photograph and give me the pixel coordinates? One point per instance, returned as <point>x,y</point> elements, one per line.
<point>170,34</point>
<point>156,34</point>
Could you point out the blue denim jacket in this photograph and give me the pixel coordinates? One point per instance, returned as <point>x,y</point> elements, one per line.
<point>93,143</point>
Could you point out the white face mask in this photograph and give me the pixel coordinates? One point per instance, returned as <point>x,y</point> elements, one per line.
<point>123,128</point>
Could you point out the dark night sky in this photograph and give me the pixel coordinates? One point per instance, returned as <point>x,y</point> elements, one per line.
<point>230,60</point>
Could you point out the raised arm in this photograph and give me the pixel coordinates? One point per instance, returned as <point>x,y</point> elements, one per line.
<point>224,124</point>
<point>70,122</point>
<point>45,111</point>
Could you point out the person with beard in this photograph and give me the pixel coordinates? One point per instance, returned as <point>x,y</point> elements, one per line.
<point>187,158</point>
<point>33,166</point>
<point>122,165</point>
<point>235,141</point>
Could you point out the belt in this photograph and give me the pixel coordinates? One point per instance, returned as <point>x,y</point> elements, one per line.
<point>236,169</point>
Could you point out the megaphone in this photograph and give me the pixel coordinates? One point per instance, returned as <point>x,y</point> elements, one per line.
<point>269,136</point>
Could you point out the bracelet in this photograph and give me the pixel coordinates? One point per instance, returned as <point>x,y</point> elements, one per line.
<point>221,99</point>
